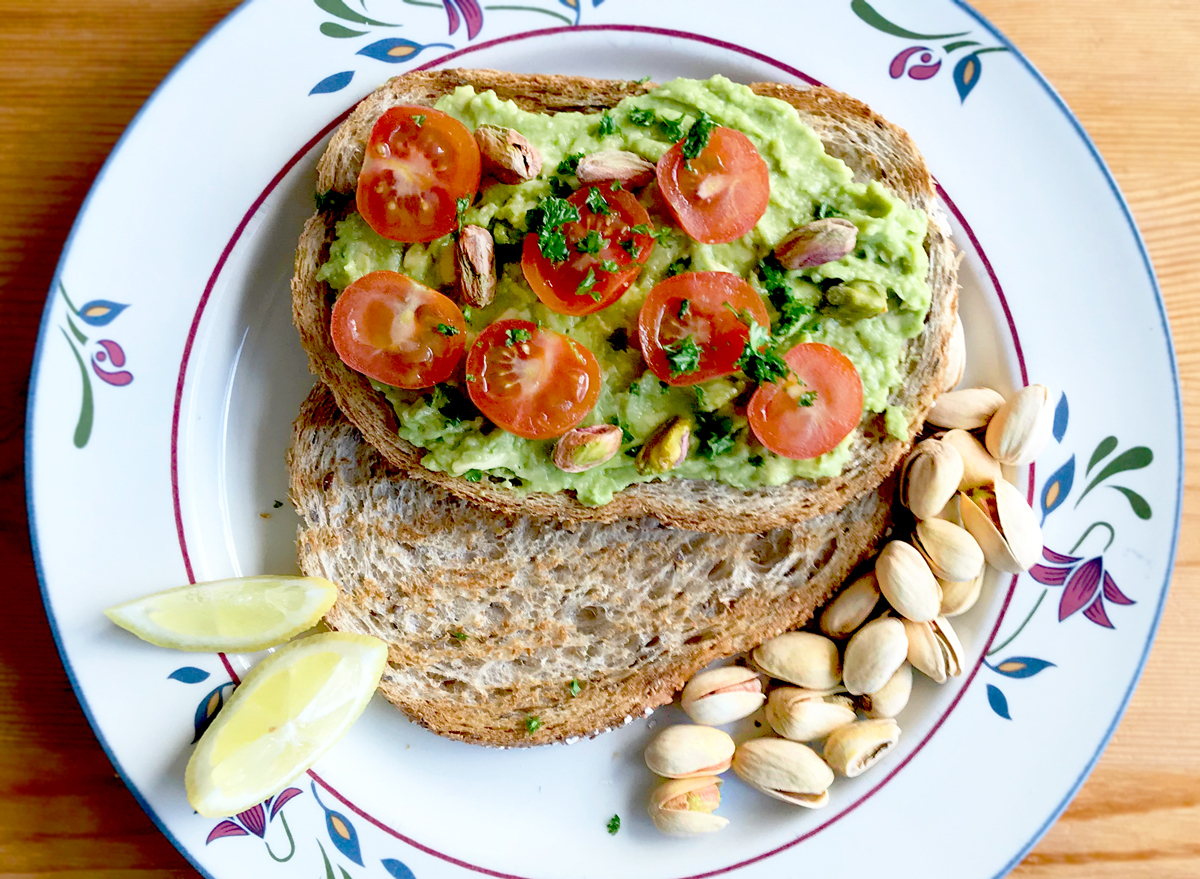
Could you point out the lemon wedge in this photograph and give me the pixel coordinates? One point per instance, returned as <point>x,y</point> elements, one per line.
<point>240,615</point>
<point>291,708</point>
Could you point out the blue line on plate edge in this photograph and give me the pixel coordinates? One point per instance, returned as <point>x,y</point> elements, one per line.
<point>40,351</point>
<point>1137,235</point>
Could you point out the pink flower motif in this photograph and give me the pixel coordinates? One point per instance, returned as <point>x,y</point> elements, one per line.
<point>254,820</point>
<point>921,70</point>
<point>1088,585</point>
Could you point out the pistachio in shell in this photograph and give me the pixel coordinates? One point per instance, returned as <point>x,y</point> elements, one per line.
<point>855,748</point>
<point>666,448</point>
<point>722,695</point>
<point>802,658</point>
<point>890,699</point>
<point>819,242</point>
<point>873,655</point>
<point>969,409</point>
<point>934,649</point>
<point>583,448</point>
<point>628,169</point>
<point>979,467</point>
<point>960,596</point>
<point>851,607</point>
<point>1021,427</point>
<point>1004,526</point>
<point>785,770</point>
<point>930,477</point>
<point>806,715</point>
<point>956,356</point>
<point>907,583</point>
<point>685,806</point>
<point>950,551</point>
<point>686,751</point>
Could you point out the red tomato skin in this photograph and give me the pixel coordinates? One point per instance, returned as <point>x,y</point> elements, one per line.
<point>732,210</point>
<point>356,328</point>
<point>564,390</point>
<point>555,284</point>
<point>435,184</point>
<point>707,294</point>
<point>798,432</point>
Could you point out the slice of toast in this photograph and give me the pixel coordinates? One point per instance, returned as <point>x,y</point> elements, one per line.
<point>514,630</point>
<point>870,145</point>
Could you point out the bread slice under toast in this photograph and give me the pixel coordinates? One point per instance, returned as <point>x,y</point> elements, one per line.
<point>489,618</point>
<point>872,147</point>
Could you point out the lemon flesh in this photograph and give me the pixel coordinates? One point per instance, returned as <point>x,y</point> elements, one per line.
<point>291,708</point>
<point>243,614</point>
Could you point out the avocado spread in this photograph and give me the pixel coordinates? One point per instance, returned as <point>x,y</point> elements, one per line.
<point>838,303</point>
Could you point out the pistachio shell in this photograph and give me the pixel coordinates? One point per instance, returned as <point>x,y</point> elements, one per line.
<point>817,243</point>
<point>784,770</point>
<point>583,448</point>
<point>686,751</point>
<point>802,658</point>
<point>873,655</point>
<point>630,169</point>
<point>979,467</point>
<point>891,698</point>
<point>934,648</point>
<point>1004,525</point>
<point>951,552</point>
<point>804,715</point>
<point>475,264</point>
<point>676,813</point>
<point>507,155</point>
<point>1021,427</point>
<point>930,477</point>
<point>956,356</point>
<point>851,607</point>
<point>960,596</point>
<point>969,409</point>
<point>907,583</point>
<point>722,695</point>
<point>855,748</point>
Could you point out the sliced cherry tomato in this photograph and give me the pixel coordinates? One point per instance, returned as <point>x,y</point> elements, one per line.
<point>390,328</point>
<point>531,381</point>
<point>719,195</point>
<point>418,163</point>
<point>686,344</point>
<point>581,284</point>
<point>811,411</point>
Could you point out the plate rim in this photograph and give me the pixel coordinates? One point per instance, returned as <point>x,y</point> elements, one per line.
<point>983,22</point>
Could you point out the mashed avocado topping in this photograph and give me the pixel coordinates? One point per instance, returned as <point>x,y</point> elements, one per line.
<point>806,184</point>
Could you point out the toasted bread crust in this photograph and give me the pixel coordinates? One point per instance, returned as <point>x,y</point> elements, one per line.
<point>874,148</point>
<point>489,619</point>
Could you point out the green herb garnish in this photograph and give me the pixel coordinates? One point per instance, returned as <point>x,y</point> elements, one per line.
<point>824,211</point>
<point>685,308</point>
<point>419,119</point>
<point>570,163</point>
<point>468,313</point>
<point>672,129</point>
<point>610,265</point>
<point>574,689</point>
<point>447,330</point>
<point>515,335</point>
<point>807,399</point>
<point>459,636</point>
<point>714,434</point>
<point>546,220</point>
<point>683,357</point>
<point>679,266</point>
<point>596,203</point>
<point>592,242</point>
<point>614,824</point>
<point>460,206</point>
<point>643,117</point>
<point>631,247</point>
<point>560,188</point>
<point>586,285</point>
<point>473,475</point>
<point>532,724</point>
<point>697,136</point>
<point>755,460</point>
<point>607,125</point>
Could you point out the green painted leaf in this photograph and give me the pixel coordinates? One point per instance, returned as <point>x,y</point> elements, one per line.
<point>75,331</point>
<point>960,44</point>
<point>1102,451</point>
<point>340,10</point>
<point>1131,459</point>
<point>1141,509</point>
<point>83,427</point>
<point>330,29</point>
<point>867,13</point>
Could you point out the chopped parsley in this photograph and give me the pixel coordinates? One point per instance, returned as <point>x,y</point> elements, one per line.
<point>331,200</point>
<point>683,357</point>
<point>574,688</point>
<point>277,504</point>
<point>518,334</point>
<point>760,366</point>
<point>643,117</point>
<point>596,203</point>
<point>570,163</point>
<point>618,339</point>
<point>779,291</point>
<point>419,119</point>
<point>560,188</point>
<point>807,399</point>
<point>592,242</point>
<point>617,185</point>
<point>635,389</point>
<point>607,125</point>
<point>631,247</point>
<point>546,220</point>
<point>697,136</point>
<point>532,724</point>
<point>461,205</point>
<point>587,284</point>
<point>701,402</point>
<point>672,129</point>
<point>685,308</point>
<point>447,330</point>
<point>626,436</point>
<point>755,461</point>
<point>614,825</point>
<point>643,229</point>
<point>473,475</point>
<point>714,434</point>
<point>645,78</point>
<point>459,636</point>
<point>610,265</point>
<point>452,404</point>
<point>679,266</point>
<point>824,211</point>
<point>468,313</point>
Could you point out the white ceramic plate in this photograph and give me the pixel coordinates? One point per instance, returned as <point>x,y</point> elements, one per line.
<point>167,376</point>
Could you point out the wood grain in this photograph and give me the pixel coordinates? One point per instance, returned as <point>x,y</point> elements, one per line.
<point>72,75</point>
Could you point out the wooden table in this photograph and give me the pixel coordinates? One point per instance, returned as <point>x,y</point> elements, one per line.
<point>72,75</point>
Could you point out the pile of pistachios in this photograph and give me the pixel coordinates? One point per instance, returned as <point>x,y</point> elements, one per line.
<point>967,518</point>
